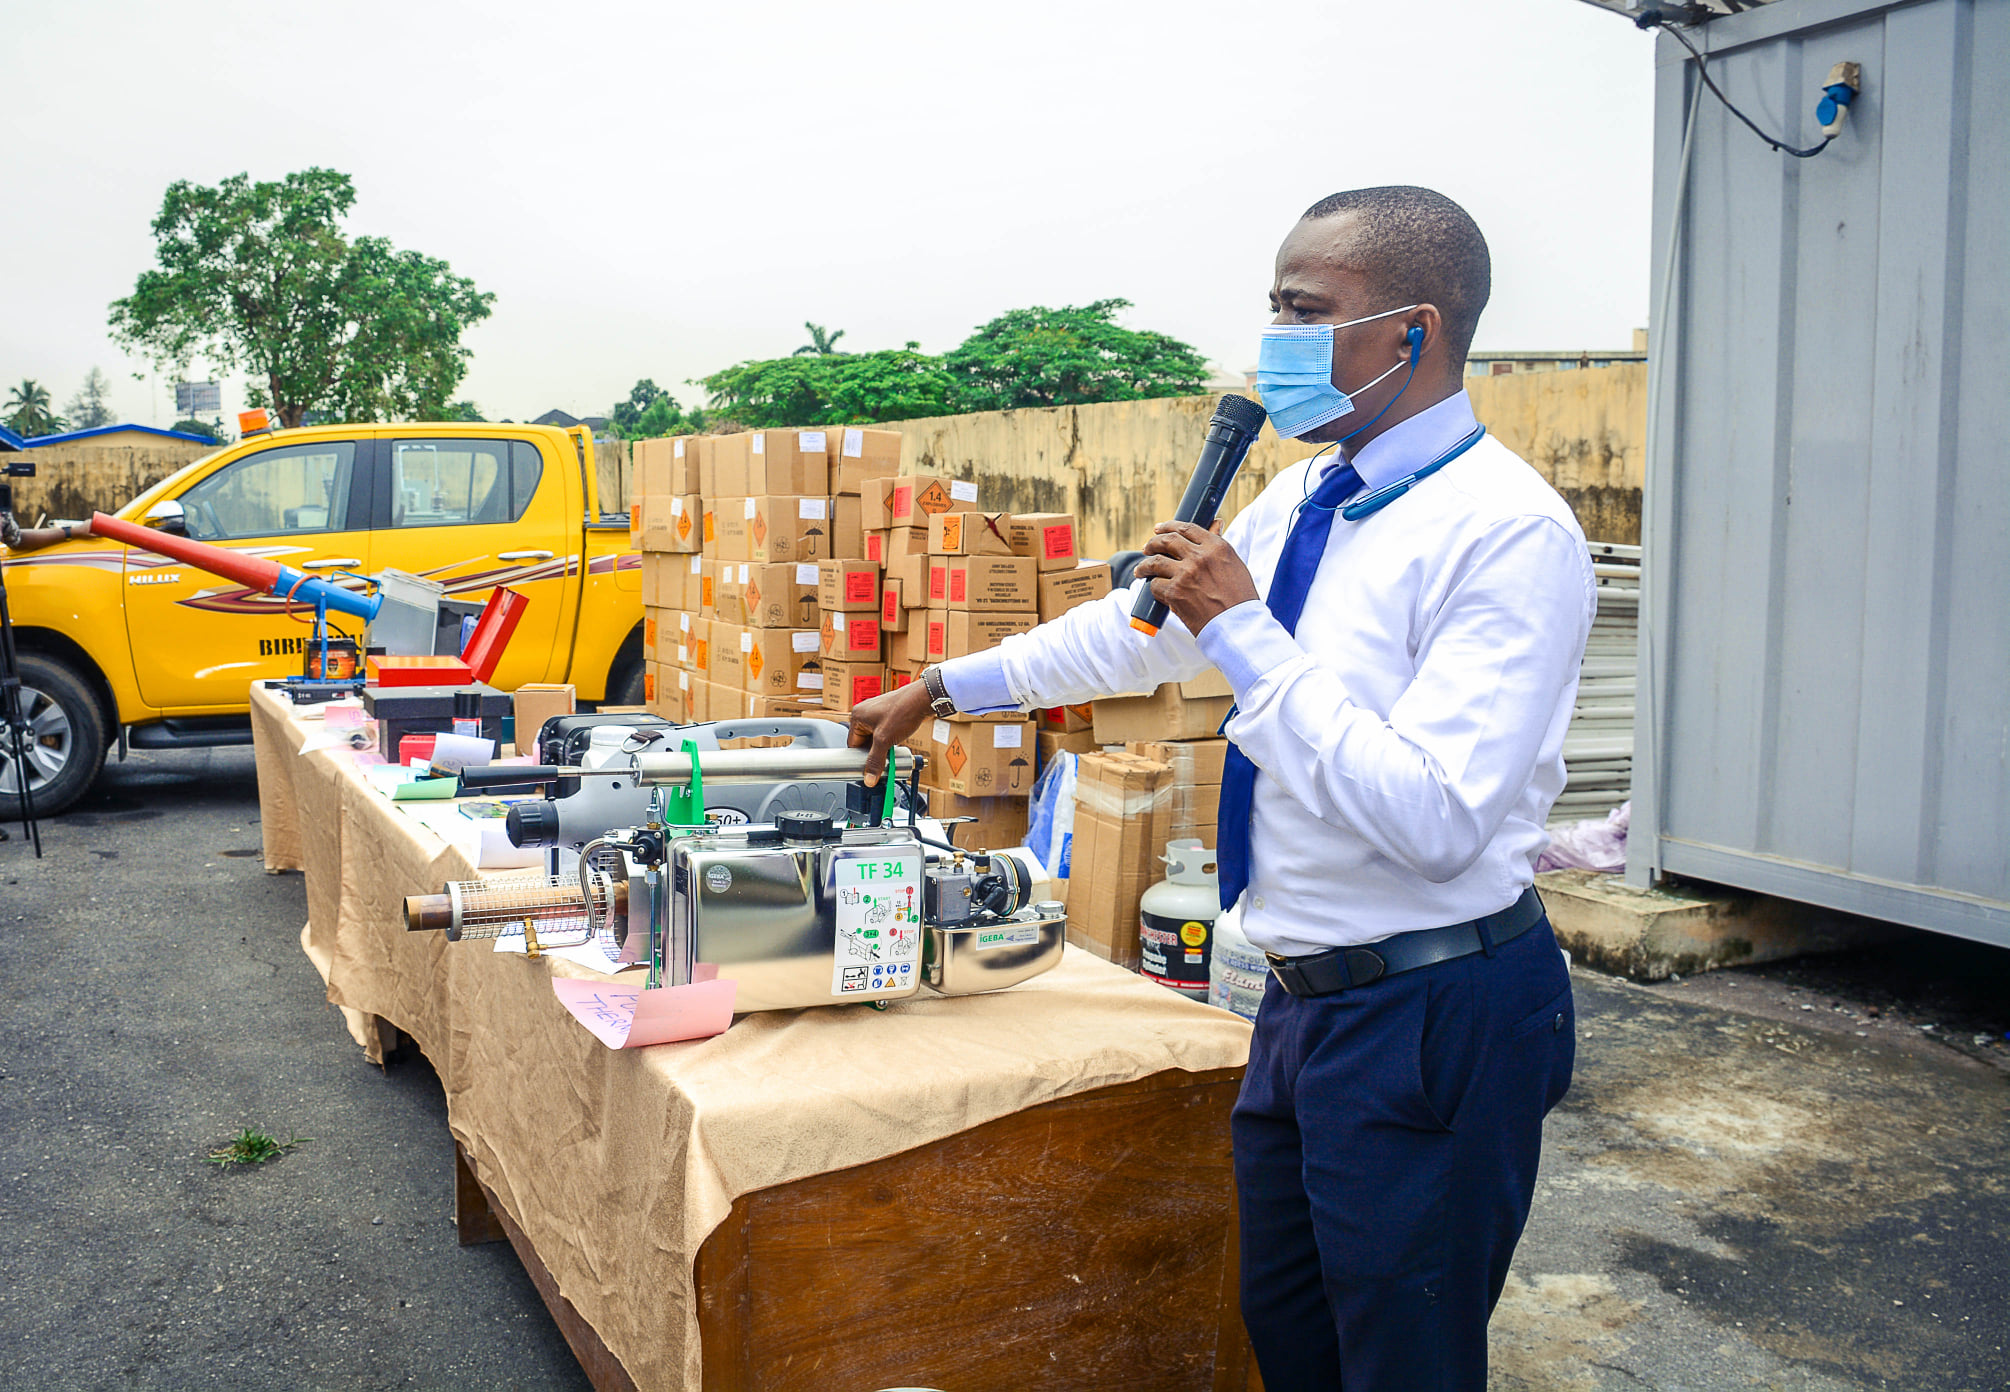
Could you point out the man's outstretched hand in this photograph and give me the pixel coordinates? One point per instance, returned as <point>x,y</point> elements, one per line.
<point>885,721</point>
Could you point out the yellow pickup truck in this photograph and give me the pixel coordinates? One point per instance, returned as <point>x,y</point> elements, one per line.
<point>126,645</point>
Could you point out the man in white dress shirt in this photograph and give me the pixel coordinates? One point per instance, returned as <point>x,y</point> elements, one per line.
<point>1402,618</point>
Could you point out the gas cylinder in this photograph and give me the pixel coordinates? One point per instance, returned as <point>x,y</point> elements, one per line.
<point>1178,916</point>
<point>1237,970</point>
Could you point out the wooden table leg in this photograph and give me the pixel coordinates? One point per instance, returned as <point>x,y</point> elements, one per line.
<point>473,1216</point>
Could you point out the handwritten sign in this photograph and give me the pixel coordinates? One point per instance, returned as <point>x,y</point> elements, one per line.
<point>630,1017</point>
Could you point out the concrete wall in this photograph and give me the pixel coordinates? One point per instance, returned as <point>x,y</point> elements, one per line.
<point>73,481</point>
<point>1121,466</point>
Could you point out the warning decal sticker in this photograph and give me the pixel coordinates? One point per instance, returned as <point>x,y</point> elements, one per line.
<point>878,944</point>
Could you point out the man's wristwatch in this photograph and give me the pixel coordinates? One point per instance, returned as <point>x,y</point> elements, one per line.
<point>938,694</point>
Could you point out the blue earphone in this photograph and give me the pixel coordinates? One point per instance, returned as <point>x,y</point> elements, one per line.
<point>1369,504</point>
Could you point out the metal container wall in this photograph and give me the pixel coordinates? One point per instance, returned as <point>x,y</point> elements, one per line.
<point>1825,625</point>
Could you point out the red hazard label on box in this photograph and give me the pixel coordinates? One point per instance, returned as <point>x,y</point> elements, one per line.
<point>1058,540</point>
<point>959,585</point>
<point>858,585</point>
<point>938,582</point>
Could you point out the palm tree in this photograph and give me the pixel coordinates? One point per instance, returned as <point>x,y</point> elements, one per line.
<point>822,342</point>
<point>28,412</point>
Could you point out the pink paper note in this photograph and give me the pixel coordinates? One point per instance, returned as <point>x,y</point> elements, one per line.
<point>629,1017</point>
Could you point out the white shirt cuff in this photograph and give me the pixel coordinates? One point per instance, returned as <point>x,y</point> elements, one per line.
<point>1247,643</point>
<point>977,683</point>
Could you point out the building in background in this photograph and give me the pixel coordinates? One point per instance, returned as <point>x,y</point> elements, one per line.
<point>115,435</point>
<point>1501,363</point>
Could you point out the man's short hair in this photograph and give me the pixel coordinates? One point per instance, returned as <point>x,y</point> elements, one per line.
<point>1420,248</point>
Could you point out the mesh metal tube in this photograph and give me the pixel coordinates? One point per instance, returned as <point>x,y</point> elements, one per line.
<point>498,908</point>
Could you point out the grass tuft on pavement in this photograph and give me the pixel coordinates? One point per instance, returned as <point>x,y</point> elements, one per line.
<point>253,1147</point>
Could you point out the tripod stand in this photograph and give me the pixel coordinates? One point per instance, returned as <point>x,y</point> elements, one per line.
<point>11,715</point>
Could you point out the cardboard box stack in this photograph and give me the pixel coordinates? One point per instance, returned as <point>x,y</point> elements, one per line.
<point>1196,784</point>
<point>666,524</point>
<point>1123,819</point>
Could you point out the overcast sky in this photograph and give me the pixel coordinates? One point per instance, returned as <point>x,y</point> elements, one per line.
<point>660,190</point>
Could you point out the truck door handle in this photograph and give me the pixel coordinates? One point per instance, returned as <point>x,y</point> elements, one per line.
<point>524,555</point>
<point>331,563</point>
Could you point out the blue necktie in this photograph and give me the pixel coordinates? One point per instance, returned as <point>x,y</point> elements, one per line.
<point>1303,550</point>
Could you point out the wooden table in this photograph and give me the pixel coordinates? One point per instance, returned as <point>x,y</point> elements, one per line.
<point>1078,1231</point>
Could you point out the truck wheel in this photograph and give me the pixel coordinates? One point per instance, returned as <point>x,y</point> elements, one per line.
<point>624,686</point>
<point>65,741</point>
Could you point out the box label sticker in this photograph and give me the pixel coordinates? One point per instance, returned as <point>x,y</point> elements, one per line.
<point>933,499</point>
<point>760,444</point>
<point>878,945</point>
<point>889,607</point>
<point>859,585</point>
<point>752,506</point>
<point>708,529</point>
<point>677,448</point>
<point>684,622</point>
<point>698,562</point>
<point>746,642</point>
<point>676,505</point>
<point>938,582</point>
<point>806,574</point>
<point>862,635</point>
<point>813,509</point>
<point>955,755</point>
<point>865,686</point>
<point>1058,540</point>
<point>810,681</point>
<point>963,492</point>
<point>811,442</point>
<point>959,586</point>
<point>754,662</point>
<point>854,444</point>
<point>683,526</point>
<point>939,732</point>
<point>903,501</point>
<point>1008,736</point>
<point>803,642</point>
<point>875,548</point>
<point>952,532</point>
<point>759,528</point>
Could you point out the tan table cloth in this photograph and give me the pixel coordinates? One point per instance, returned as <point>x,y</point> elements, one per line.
<point>617,1164</point>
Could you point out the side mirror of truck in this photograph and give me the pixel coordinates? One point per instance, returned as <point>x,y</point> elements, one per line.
<point>167,516</point>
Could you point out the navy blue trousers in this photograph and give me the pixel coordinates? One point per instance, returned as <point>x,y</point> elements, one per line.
<point>1386,1142</point>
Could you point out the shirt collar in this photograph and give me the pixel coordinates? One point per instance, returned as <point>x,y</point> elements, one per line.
<point>1407,447</point>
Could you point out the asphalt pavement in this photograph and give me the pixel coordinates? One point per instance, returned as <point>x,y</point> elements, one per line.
<point>1743,1189</point>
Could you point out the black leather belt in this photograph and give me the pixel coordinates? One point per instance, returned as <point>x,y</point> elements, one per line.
<point>1343,968</point>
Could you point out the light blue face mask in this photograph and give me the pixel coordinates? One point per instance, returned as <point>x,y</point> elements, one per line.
<point>1294,374</point>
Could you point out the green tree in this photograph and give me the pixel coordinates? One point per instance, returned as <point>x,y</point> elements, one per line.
<point>88,409</point>
<point>832,389</point>
<point>28,412</point>
<point>260,278</point>
<point>650,412</point>
<point>1069,357</point>
<point>822,342</point>
<point>192,426</point>
<point>463,411</point>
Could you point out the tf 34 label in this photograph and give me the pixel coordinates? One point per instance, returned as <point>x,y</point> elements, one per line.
<point>878,948</point>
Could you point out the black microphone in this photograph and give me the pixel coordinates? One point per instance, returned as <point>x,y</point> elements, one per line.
<point>1231,430</point>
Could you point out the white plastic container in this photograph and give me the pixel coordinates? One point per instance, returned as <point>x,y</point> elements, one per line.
<point>1178,913</point>
<point>1238,971</point>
